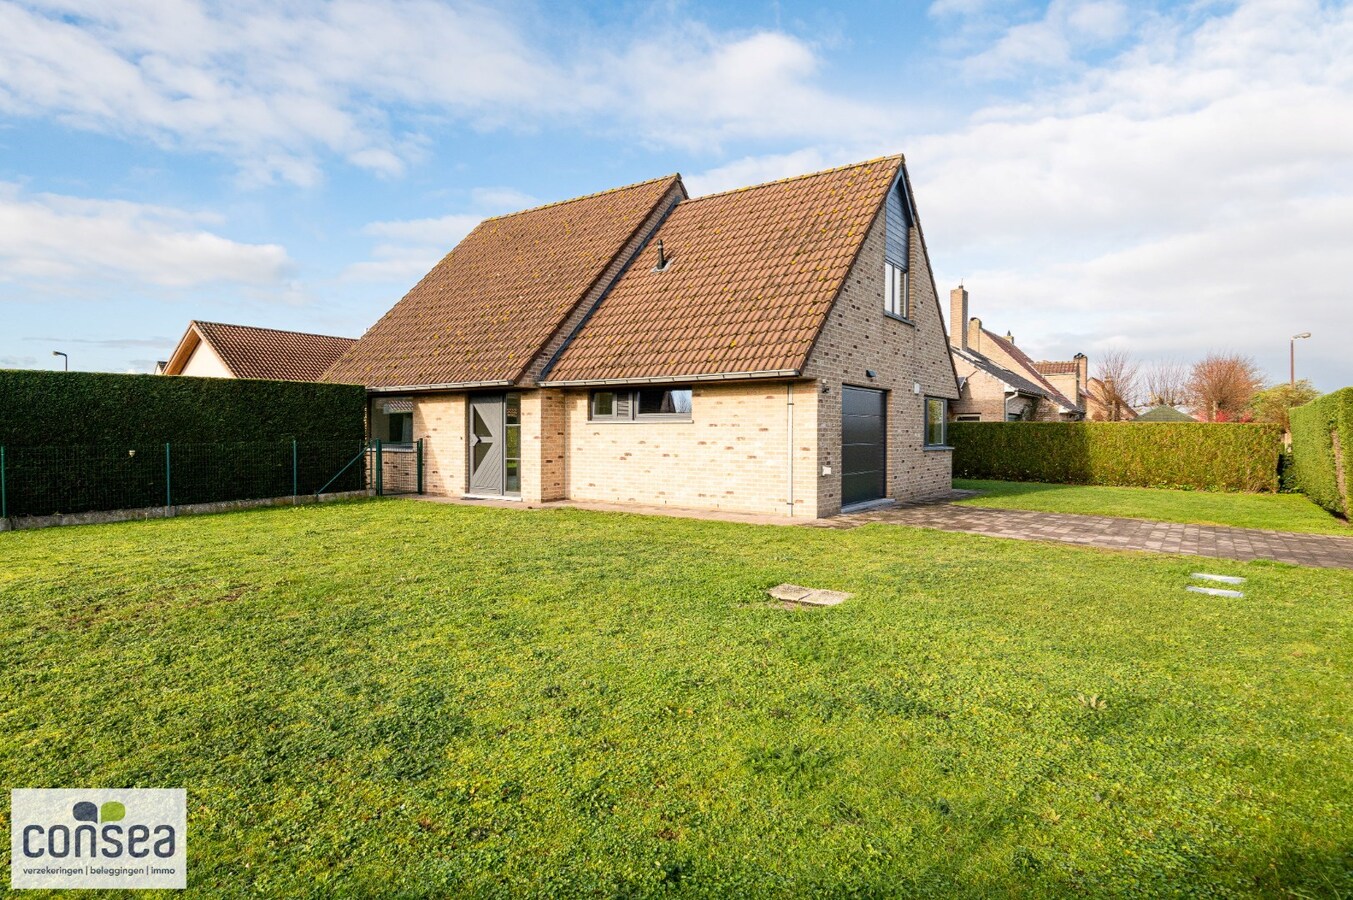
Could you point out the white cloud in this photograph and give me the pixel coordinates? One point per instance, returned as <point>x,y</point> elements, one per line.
<point>1192,193</point>
<point>409,248</point>
<point>278,88</point>
<point>49,237</point>
<point>1067,30</point>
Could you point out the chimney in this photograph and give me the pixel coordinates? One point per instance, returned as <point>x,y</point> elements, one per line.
<point>1009,337</point>
<point>1082,373</point>
<point>975,334</point>
<point>958,317</point>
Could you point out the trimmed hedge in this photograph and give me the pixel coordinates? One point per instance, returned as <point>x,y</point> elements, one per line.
<point>79,442</point>
<point>65,409</point>
<point>1182,455</point>
<point>1315,463</point>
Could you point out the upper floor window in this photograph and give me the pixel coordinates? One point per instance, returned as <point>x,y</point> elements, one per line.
<point>899,220</point>
<point>641,404</point>
<point>896,290</point>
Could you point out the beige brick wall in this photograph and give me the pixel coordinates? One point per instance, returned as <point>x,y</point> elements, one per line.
<point>440,420</point>
<point>542,446</point>
<point>858,336</point>
<point>983,395</point>
<point>733,455</point>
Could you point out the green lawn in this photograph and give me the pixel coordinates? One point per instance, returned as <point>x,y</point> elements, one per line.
<point>391,697</point>
<point>1276,512</point>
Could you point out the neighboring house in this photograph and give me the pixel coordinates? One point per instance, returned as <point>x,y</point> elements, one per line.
<point>1102,407</point>
<point>213,350</point>
<point>1000,383</point>
<point>1163,414</point>
<point>777,349</point>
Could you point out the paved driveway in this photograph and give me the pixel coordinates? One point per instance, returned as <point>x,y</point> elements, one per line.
<point>1325,551</point>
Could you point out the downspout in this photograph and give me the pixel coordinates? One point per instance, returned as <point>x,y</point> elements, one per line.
<point>789,417</point>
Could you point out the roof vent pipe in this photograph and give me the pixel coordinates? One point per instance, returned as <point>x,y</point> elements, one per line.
<point>662,258</point>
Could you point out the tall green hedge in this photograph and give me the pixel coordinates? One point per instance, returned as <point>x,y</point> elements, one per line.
<point>1184,455</point>
<point>63,409</point>
<point>1315,463</point>
<point>78,442</point>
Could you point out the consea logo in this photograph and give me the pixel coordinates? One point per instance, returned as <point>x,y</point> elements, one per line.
<point>98,839</point>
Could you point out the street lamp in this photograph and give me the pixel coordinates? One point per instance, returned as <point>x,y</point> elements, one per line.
<point>64,359</point>
<point>1292,356</point>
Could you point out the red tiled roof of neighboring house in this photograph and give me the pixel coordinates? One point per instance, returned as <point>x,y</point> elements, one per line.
<point>265,353</point>
<point>493,303</point>
<point>1056,367</point>
<point>1030,367</point>
<point>751,277</point>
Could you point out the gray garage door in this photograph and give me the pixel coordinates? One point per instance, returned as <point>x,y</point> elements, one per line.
<point>863,446</point>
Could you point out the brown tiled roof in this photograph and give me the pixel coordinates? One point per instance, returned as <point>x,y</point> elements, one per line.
<point>1031,368</point>
<point>271,354</point>
<point>1056,367</point>
<point>751,277</point>
<point>492,304</point>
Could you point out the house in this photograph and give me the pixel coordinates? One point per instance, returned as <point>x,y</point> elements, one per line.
<point>1000,383</point>
<point>1103,404</point>
<point>214,350</point>
<point>776,349</point>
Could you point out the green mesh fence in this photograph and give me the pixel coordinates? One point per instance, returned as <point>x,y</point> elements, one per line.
<point>40,481</point>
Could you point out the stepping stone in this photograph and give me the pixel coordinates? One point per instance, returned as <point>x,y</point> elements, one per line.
<point>794,593</point>
<point>1215,592</point>
<point>1225,579</point>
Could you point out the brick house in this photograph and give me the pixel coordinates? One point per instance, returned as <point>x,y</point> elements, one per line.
<point>777,349</point>
<point>1000,383</point>
<point>216,350</point>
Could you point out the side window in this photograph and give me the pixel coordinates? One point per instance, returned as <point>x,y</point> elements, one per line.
<point>936,430</point>
<point>392,420</point>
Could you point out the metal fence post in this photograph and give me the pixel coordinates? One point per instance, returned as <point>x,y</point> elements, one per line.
<point>295,481</point>
<point>4,496</point>
<point>380,471</point>
<point>168,478</point>
<point>420,465</point>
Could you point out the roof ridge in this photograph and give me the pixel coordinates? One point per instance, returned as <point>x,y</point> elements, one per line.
<point>337,337</point>
<point>594,194</point>
<point>751,187</point>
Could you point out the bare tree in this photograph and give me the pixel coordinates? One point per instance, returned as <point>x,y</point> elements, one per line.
<point>1221,386</point>
<point>1166,383</point>
<point>1118,372</point>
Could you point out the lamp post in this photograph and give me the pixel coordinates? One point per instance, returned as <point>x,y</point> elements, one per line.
<point>1292,357</point>
<point>64,359</point>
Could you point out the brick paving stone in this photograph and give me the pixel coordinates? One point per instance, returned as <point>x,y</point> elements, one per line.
<point>1318,550</point>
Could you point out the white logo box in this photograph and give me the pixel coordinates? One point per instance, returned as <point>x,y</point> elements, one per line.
<point>125,839</point>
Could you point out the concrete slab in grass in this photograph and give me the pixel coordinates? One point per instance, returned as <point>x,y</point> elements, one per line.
<point>794,593</point>
<point>1214,592</point>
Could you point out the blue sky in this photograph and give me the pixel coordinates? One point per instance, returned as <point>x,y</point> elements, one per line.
<point>1170,179</point>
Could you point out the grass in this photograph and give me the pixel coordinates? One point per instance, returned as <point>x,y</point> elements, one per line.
<point>410,699</point>
<point>1274,512</point>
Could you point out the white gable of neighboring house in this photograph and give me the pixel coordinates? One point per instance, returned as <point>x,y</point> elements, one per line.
<point>204,362</point>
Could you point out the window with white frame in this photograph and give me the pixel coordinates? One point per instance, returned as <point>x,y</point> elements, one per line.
<point>896,291</point>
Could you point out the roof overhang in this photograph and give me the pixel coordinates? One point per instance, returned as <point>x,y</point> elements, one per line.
<point>675,379</point>
<point>449,386</point>
<point>183,350</point>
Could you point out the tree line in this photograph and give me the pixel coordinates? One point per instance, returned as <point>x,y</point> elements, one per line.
<point>1220,387</point>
